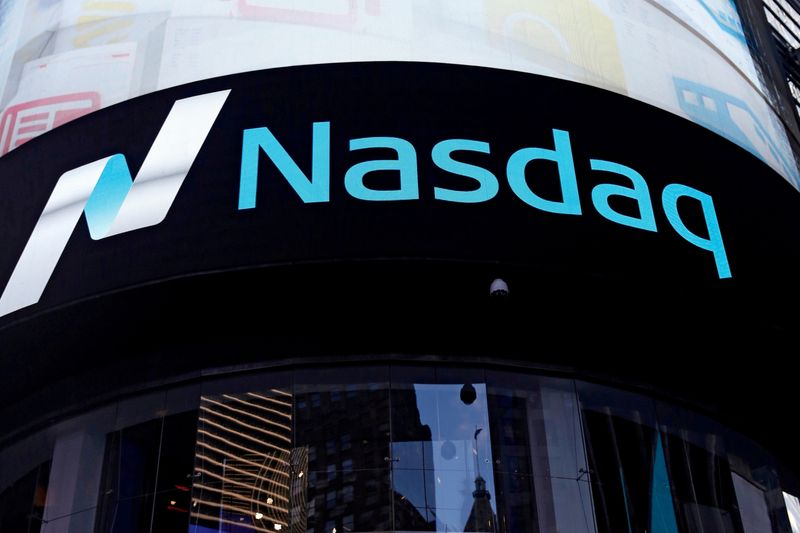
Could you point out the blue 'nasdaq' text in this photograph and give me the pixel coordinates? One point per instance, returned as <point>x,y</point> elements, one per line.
<point>316,188</point>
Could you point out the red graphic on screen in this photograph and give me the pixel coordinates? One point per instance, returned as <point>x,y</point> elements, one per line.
<point>254,9</point>
<point>22,122</point>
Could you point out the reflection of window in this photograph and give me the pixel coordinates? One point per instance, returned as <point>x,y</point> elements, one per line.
<point>330,499</point>
<point>345,439</point>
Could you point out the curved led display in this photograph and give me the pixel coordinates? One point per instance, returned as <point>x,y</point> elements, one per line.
<point>62,59</point>
<point>166,172</point>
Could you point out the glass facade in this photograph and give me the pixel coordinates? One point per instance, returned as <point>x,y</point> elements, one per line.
<point>398,447</point>
<point>61,59</point>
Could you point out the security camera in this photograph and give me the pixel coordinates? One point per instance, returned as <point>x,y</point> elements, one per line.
<point>498,288</point>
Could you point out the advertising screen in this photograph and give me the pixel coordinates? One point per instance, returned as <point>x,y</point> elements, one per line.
<point>62,59</point>
<point>354,161</point>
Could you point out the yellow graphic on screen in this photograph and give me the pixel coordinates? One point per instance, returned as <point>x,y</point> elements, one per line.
<point>99,23</point>
<point>575,31</point>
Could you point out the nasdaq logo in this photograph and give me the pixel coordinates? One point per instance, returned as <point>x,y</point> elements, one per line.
<point>111,199</point>
<point>480,184</point>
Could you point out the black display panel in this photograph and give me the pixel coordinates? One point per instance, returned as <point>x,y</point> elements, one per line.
<point>475,181</point>
<point>413,161</point>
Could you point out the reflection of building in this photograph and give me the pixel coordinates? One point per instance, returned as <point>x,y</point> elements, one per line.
<point>244,475</point>
<point>481,518</point>
<point>346,435</point>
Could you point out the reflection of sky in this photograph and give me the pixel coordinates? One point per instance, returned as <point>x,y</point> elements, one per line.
<point>453,476</point>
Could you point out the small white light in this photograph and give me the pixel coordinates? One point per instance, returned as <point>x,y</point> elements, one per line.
<point>278,527</point>
<point>259,516</point>
<point>300,474</point>
<point>172,502</point>
<point>270,500</point>
<point>333,530</point>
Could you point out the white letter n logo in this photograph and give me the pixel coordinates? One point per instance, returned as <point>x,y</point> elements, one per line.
<point>114,203</point>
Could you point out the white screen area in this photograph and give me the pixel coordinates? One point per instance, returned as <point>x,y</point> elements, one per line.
<point>61,59</point>
<point>793,510</point>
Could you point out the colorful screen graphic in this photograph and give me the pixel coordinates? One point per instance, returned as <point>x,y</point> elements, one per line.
<point>686,56</point>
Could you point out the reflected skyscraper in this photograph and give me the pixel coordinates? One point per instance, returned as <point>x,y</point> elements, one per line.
<point>482,517</point>
<point>243,464</point>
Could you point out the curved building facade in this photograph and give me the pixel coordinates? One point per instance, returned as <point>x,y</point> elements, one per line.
<point>369,265</point>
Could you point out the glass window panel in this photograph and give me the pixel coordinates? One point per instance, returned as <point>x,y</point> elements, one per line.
<point>756,466</point>
<point>127,515</point>
<point>621,444</point>
<point>363,414</point>
<point>359,498</point>
<point>129,479</point>
<point>516,505</point>
<point>752,505</point>
<point>176,464</point>
<point>77,469</point>
<point>242,384</point>
<point>243,473</point>
<point>539,456</point>
<point>137,459</point>
<point>700,472</point>
<point>442,451</point>
<point>22,504</point>
<point>341,428</point>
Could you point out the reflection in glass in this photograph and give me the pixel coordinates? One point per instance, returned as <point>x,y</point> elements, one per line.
<point>129,479</point>
<point>441,453</point>
<point>243,470</point>
<point>342,424</point>
<point>373,450</point>
<point>626,462</point>
<point>539,457</point>
<point>700,471</point>
<point>703,487</point>
<point>752,504</point>
<point>147,475</point>
<point>172,500</point>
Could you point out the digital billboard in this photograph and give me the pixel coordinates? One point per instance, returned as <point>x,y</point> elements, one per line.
<point>62,59</point>
<point>358,161</point>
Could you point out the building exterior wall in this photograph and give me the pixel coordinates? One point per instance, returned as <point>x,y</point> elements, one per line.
<point>252,254</point>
